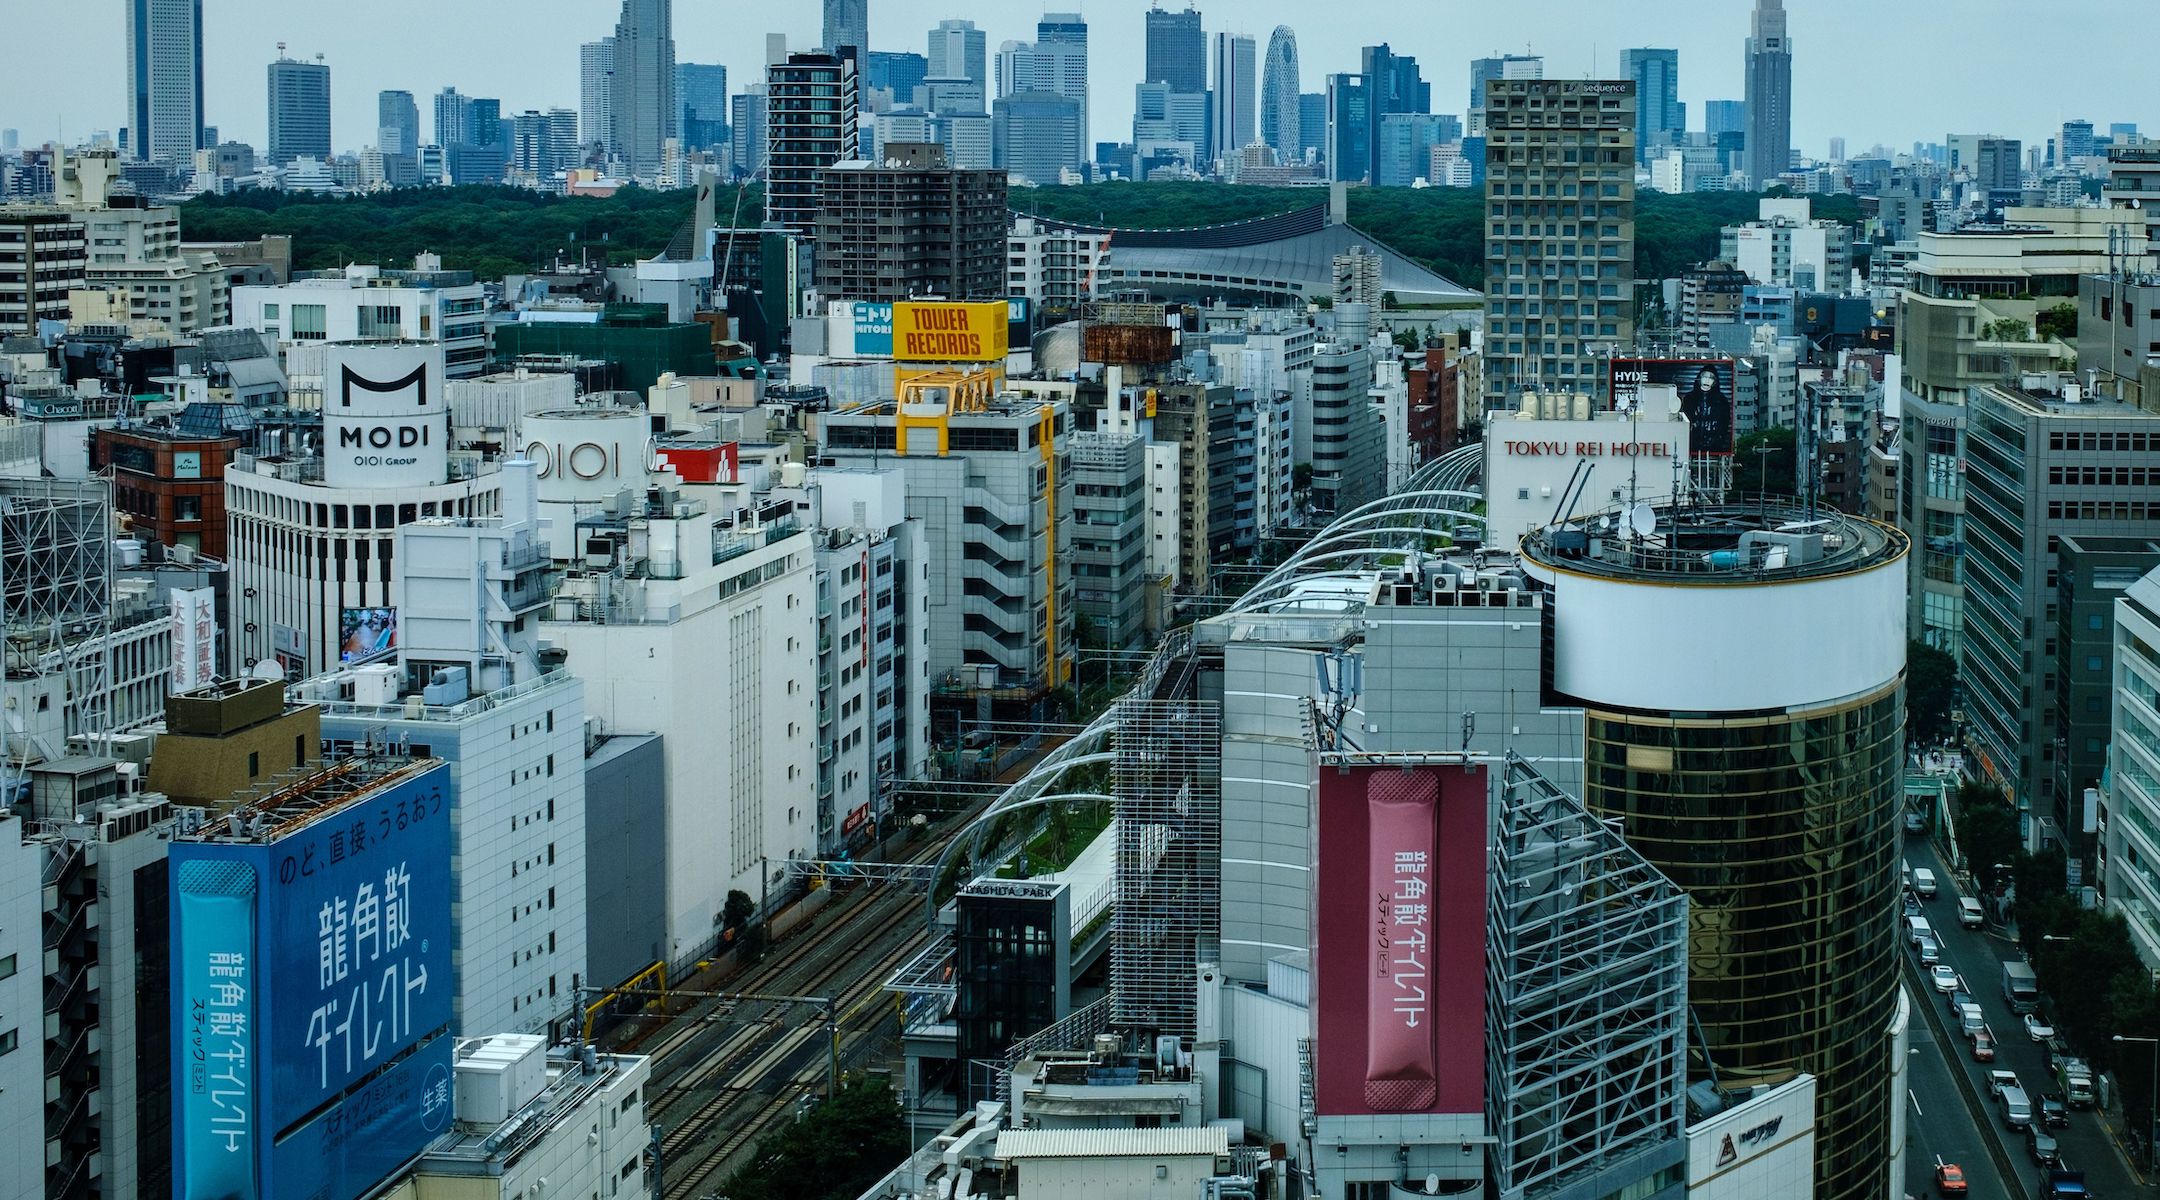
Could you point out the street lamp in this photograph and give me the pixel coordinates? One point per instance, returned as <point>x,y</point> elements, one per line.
<point>2152,1101</point>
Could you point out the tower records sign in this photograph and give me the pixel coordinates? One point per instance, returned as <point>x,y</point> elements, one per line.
<point>384,420</point>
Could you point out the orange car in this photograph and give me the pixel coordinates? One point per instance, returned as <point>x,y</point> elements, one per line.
<point>1950,1179</point>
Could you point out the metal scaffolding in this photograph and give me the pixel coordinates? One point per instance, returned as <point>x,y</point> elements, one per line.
<point>1167,777</point>
<point>56,591</point>
<point>1586,987</point>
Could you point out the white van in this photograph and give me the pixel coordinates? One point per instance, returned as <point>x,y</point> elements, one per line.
<point>1970,915</point>
<point>1923,883</point>
<point>1917,928</point>
<point>2017,1109</point>
<point>1970,1019</point>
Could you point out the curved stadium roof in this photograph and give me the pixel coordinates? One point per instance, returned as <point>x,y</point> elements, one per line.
<point>1286,256</point>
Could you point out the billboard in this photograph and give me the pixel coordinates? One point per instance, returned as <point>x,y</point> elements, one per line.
<point>950,330</point>
<point>385,423</point>
<point>1399,941</point>
<point>310,1022</point>
<point>1705,387</point>
<point>366,632</point>
<point>194,644</point>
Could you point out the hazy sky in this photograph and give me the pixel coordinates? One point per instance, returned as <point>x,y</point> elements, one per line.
<point>1888,71</point>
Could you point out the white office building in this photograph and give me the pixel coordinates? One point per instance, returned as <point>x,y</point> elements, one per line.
<point>367,304</point>
<point>533,1123</point>
<point>2130,862</point>
<point>1784,247</point>
<point>699,625</point>
<point>22,984</point>
<point>311,529</point>
<point>469,683</point>
<point>1051,266</point>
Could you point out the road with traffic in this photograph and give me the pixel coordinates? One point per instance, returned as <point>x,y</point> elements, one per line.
<point>1978,955</point>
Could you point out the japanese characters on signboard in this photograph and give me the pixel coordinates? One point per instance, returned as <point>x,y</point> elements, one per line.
<point>194,640</point>
<point>309,963</point>
<point>1400,941</point>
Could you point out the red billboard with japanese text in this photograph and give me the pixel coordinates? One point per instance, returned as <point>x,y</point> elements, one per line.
<point>1399,941</point>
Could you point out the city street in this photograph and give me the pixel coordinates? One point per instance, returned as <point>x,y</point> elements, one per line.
<point>1978,955</point>
<point>1937,1122</point>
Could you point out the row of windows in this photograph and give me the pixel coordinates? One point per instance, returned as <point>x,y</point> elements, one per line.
<point>2134,443</point>
<point>2103,510</point>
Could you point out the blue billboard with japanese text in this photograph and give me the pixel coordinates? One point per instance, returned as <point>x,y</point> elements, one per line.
<point>311,1016</point>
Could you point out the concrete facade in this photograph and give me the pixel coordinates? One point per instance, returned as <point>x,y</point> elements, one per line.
<point>625,856</point>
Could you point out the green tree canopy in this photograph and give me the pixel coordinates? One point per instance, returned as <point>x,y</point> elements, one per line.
<point>837,1152</point>
<point>1764,463</point>
<point>1930,687</point>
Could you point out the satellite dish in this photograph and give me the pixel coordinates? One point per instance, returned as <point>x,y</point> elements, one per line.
<point>1642,519</point>
<point>269,670</point>
<point>1432,1184</point>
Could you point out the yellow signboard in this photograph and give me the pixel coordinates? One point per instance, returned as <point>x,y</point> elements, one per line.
<point>949,331</point>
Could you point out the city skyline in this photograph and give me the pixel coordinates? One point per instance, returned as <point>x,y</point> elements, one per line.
<point>535,65</point>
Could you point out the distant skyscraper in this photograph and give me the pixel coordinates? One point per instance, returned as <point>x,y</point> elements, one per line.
<point>1236,87</point>
<point>641,95</point>
<point>596,68</point>
<point>397,123</point>
<point>1176,50</point>
<point>746,129</point>
<point>299,111</point>
<point>2076,142</point>
<point>701,94</point>
<point>1059,67</point>
<point>1769,95</point>
<point>956,51</point>
<point>1504,66</point>
<point>1279,96</point>
<point>562,138</point>
<point>1392,85</point>
<point>809,125</point>
<point>1349,127</point>
<point>1312,133</point>
<point>165,79</point>
<point>899,72</point>
<point>1035,135</point>
<point>1724,116</point>
<point>453,118</point>
<point>847,24</point>
<point>1069,29</point>
<point>1659,117</point>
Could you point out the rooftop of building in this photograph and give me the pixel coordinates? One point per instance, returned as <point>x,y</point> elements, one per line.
<point>485,1147</point>
<point>289,803</point>
<point>1775,541</point>
<point>2055,397</point>
<point>1015,1145</point>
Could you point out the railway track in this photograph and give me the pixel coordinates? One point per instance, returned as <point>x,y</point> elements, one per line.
<point>746,1063</point>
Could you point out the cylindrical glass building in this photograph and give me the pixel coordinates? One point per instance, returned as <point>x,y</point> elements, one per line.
<point>1741,675</point>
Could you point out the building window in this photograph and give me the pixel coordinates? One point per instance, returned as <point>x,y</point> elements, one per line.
<point>254,764</point>
<point>7,967</point>
<point>8,1038</point>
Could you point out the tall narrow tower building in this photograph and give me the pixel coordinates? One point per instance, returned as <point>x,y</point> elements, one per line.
<point>165,79</point>
<point>1769,95</point>
<point>642,109</point>
<point>1279,125</point>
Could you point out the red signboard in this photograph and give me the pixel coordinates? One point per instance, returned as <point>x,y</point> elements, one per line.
<point>702,462</point>
<point>1399,941</point>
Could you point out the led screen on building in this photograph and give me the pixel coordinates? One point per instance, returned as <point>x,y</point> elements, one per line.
<point>1399,941</point>
<point>310,1024</point>
<point>364,633</point>
<point>1705,387</point>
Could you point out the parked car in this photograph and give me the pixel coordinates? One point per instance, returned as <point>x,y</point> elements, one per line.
<point>1944,978</point>
<point>1930,950</point>
<point>1984,1045</point>
<point>2054,1110</point>
<point>1999,1079</point>
<point>2042,1147</point>
<point>1950,1179</point>
<point>2038,1029</point>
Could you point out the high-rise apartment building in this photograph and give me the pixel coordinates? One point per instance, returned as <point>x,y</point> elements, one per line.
<point>1776,793</point>
<point>1176,50</point>
<point>641,91</point>
<point>1235,70</point>
<point>1660,118</point>
<point>1279,96</point>
<point>453,118</point>
<point>957,52</point>
<point>809,125</point>
<point>299,110</point>
<point>1560,234</point>
<point>746,129</point>
<point>165,80</point>
<point>847,27</point>
<point>596,73</point>
<point>910,225</point>
<point>44,253</point>
<point>397,123</point>
<point>1769,95</point>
